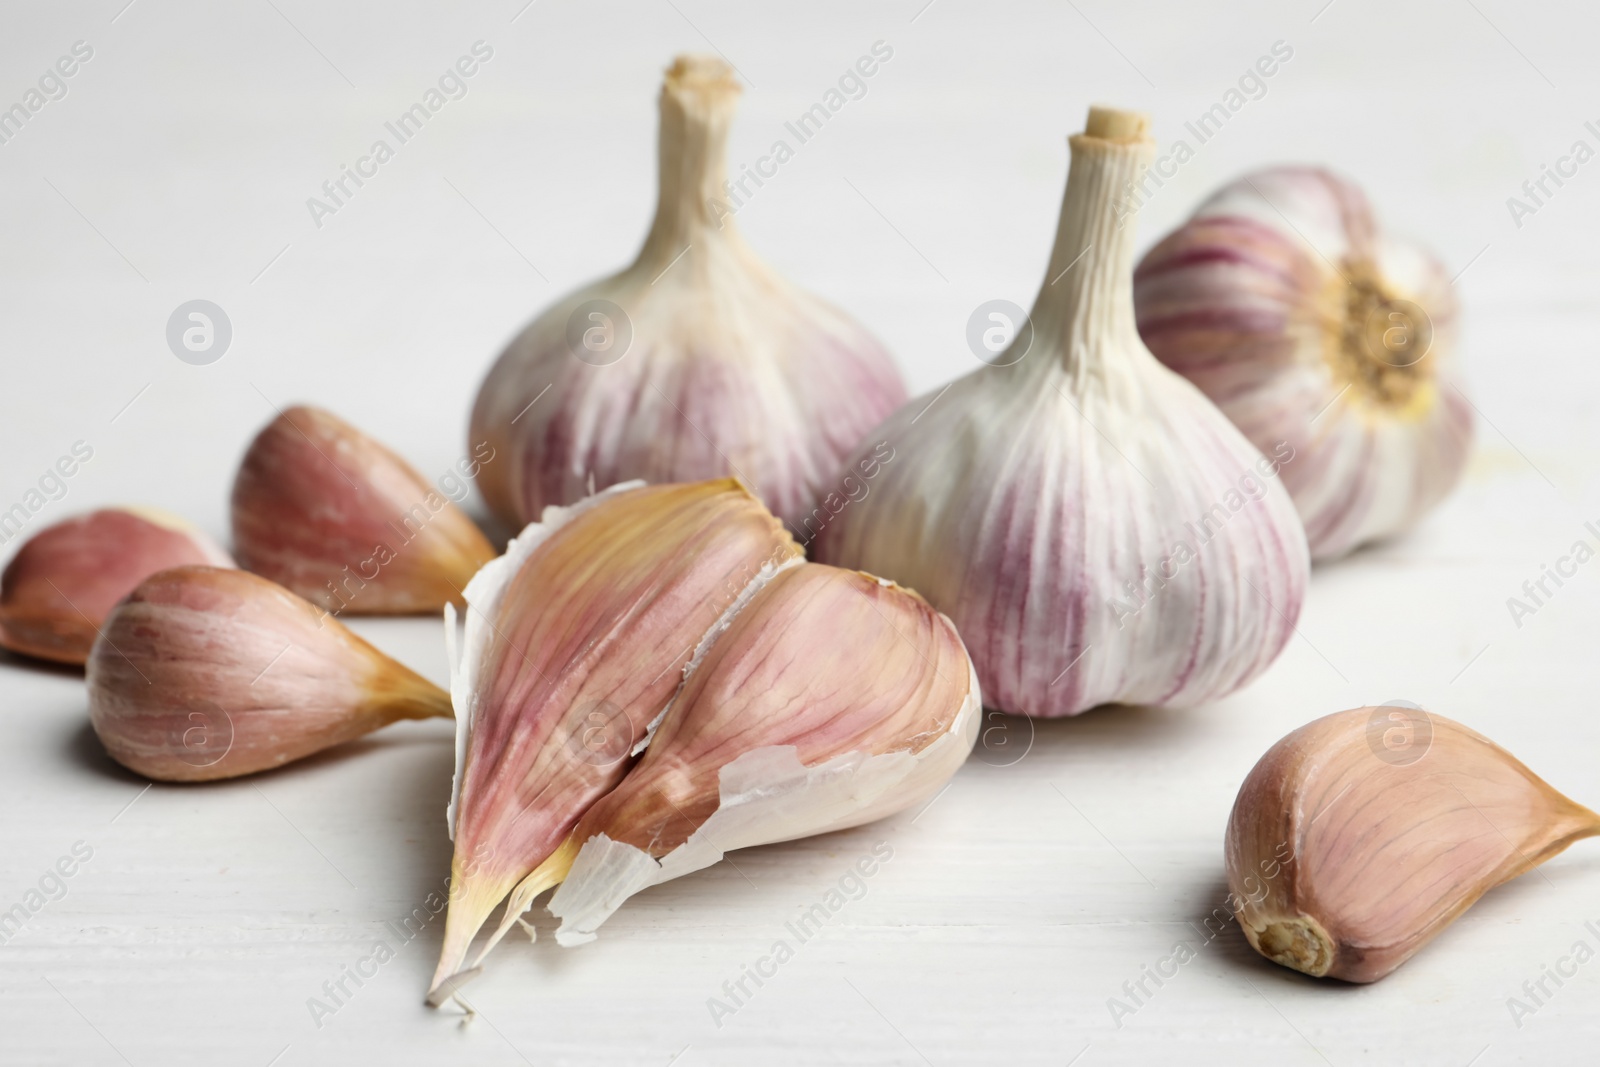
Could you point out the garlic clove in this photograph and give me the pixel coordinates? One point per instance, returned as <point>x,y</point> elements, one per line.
<point>574,643</point>
<point>1283,300</point>
<point>334,516</point>
<point>697,361</point>
<point>833,699</point>
<point>203,673</point>
<point>1359,837</point>
<point>1097,530</point>
<point>59,586</point>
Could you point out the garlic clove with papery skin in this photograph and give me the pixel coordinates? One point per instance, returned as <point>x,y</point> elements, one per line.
<point>57,589</point>
<point>574,643</point>
<point>336,517</point>
<point>832,699</point>
<point>697,361</point>
<point>203,673</point>
<point>1283,300</point>
<point>1097,530</point>
<point>1359,837</point>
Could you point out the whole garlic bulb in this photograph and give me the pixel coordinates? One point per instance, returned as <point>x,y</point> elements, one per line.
<point>1284,302</point>
<point>1097,530</point>
<point>696,362</point>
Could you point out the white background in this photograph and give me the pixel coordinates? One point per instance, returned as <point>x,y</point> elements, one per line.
<point>178,166</point>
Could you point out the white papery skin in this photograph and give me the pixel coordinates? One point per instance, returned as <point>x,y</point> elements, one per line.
<point>1031,501</point>
<point>731,370</point>
<point>1275,299</point>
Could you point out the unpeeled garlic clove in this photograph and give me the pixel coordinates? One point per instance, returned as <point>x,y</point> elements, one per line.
<point>833,699</point>
<point>1094,526</point>
<point>697,361</point>
<point>204,673</point>
<point>574,643</point>
<point>59,586</point>
<point>1284,301</point>
<point>1359,837</point>
<point>331,514</point>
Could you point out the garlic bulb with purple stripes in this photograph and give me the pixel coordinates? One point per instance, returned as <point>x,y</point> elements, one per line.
<point>698,361</point>
<point>1096,529</point>
<point>1283,301</point>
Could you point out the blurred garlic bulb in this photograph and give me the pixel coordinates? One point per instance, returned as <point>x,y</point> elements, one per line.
<point>1284,302</point>
<point>332,515</point>
<point>832,699</point>
<point>1359,837</point>
<point>204,673</point>
<point>698,361</point>
<point>59,586</point>
<point>574,642</point>
<point>1097,530</point>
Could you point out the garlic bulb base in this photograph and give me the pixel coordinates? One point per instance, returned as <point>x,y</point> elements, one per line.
<point>1300,944</point>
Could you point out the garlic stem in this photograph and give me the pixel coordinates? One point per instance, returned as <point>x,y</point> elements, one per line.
<point>1085,300</point>
<point>698,99</point>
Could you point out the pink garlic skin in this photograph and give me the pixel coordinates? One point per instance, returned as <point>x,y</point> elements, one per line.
<point>1244,300</point>
<point>204,673</point>
<point>1029,498</point>
<point>334,516</point>
<point>731,370</point>
<point>58,588</point>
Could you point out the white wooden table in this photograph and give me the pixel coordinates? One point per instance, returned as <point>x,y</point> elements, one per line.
<point>178,165</point>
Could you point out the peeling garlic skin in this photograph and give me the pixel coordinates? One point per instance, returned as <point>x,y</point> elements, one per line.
<point>204,673</point>
<point>1286,304</point>
<point>336,517</point>
<point>1097,530</point>
<point>831,699</point>
<point>570,655</point>
<point>826,660</point>
<point>1347,855</point>
<point>731,370</point>
<point>58,588</point>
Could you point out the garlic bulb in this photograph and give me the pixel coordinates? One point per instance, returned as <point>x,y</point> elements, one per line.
<point>1096,529</point>
<point>59,586</point>
<point>574,642</point>
<point>832,699</point>
<point>332,515</point>
<point>1359,837</point>
<point>1288,306</point>
<point>204,673</point>
<point>698,361</point>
